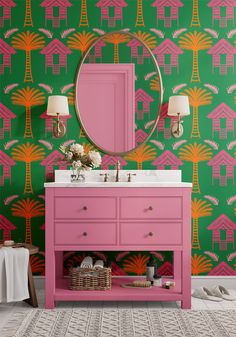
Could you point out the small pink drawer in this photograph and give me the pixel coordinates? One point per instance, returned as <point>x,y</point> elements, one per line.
<point>151,208</point>
<point>85,233</point>
<point>85,208</point>
<point>140,233</point>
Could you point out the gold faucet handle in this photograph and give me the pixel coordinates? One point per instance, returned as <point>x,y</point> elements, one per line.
<point>129,176</point>
<point>106,175</point>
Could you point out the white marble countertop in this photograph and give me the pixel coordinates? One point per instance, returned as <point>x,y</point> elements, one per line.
<point>119,184</point>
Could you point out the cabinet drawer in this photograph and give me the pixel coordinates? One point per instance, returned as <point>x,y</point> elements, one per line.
<point>141,233</point>
<point>151,208</point>
<point>85,233</point>
<point>85,208</point>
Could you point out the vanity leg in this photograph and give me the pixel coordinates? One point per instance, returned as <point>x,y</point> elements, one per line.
<point>50,281</point>
<point>186,280</point>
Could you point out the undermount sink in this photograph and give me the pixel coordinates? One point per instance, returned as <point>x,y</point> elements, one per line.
<point>139,178</point>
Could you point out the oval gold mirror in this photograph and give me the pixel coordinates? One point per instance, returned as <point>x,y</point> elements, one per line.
<point>119,91</point>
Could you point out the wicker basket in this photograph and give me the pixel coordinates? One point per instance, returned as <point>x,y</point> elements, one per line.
<point>90,278</point>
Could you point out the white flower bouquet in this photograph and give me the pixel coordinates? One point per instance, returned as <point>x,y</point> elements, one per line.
<point>79,160</point>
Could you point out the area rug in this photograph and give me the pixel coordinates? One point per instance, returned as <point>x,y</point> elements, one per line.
<point>121,323</point>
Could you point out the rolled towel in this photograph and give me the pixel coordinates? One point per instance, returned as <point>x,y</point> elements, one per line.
<point>99,264</point>
<point>87,262</point>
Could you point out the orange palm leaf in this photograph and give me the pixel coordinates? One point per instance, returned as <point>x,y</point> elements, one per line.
<point>81,41</point>
<point>28,153</point>
<point>136,264</point>
<point>147,38</point>
<point>195,41</point>
<point>28,97</point>
<point>28,208</point>
<point>201,208</point>
<point>28,41</point>
<point>195,153</point>
<point>143,153</point>
<point>200,264</point>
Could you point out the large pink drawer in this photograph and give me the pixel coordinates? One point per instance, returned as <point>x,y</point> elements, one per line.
<point>151,208</point>
<point>141,233</point>
<point>85,233</point>
<point>85,208</point>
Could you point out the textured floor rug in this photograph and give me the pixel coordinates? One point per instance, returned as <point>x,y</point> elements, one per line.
<point>121,323</point>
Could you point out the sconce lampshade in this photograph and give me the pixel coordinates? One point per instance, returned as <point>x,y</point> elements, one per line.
<point>57,104</point>
<point>178,106</point>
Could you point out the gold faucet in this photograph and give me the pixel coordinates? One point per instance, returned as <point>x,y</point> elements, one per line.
<point>118,171</point>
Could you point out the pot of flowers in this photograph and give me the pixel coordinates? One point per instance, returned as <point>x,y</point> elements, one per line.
<point>80,161</point>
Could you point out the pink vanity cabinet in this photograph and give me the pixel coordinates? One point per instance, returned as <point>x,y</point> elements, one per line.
<point>118,218</point>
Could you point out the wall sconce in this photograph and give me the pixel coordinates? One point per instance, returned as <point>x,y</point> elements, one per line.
<point>178,107</point>
<point>58,106</point>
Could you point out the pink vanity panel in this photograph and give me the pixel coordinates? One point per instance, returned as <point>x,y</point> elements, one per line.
<point>116,219</point>
<point>85,208</point>
<point>133,233</point>
<point>106,103</point>
<point>85,233</point>
<point>151,208</point>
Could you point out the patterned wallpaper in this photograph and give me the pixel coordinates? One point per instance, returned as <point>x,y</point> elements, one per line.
<point>41,43</point>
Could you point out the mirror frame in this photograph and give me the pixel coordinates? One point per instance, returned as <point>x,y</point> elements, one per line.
<point>82,61</point>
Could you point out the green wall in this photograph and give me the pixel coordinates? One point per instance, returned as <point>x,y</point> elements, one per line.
<point>204,73</point>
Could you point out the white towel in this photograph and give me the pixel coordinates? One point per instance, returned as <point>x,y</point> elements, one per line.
<point>14,269</point>
<point>87,262</point>
<point>99,264</point>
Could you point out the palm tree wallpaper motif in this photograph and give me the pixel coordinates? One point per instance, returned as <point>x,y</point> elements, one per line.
<point>147,38</point>
<point>84,14</point>
<point>200,209</point>
<point>81,41</point>
<point>197,97</point>
<point>116,39</point>
<point>28,41</point>
<point>28,14</point>
<point>143,153</point>
<point>195,42</point>
<point>200,264</point>
<point>27,209</point>
<point>139,17</point>
<point>37,264</point>
<point>195,14</point>
<point>28,153</point>
<point>28,97</point>
<point>195,153</point>
<point>136,264</point>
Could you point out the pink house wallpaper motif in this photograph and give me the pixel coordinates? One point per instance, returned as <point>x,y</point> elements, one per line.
<point>222,57</point>
<point>223,114</point>
<point>6,227</point>
<point>138,52</point>
<point>225,6</point>
<point>6,164</point>
<point>142,103</point>
<point>6,51</point>
<point>167,160</point>
<point>55,11</point>
<point>6,116</point>
<point>6,11</point>
<point>55,56</point>
<point>222,168</point>
<point>223,230</point>
<point>111,11</point>
<point>170,6</point>
<point>168,56</point>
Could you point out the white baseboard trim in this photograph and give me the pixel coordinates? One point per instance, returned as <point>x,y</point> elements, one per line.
<point>197,281</point>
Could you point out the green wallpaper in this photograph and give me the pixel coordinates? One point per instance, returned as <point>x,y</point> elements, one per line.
<point>195,47</point>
